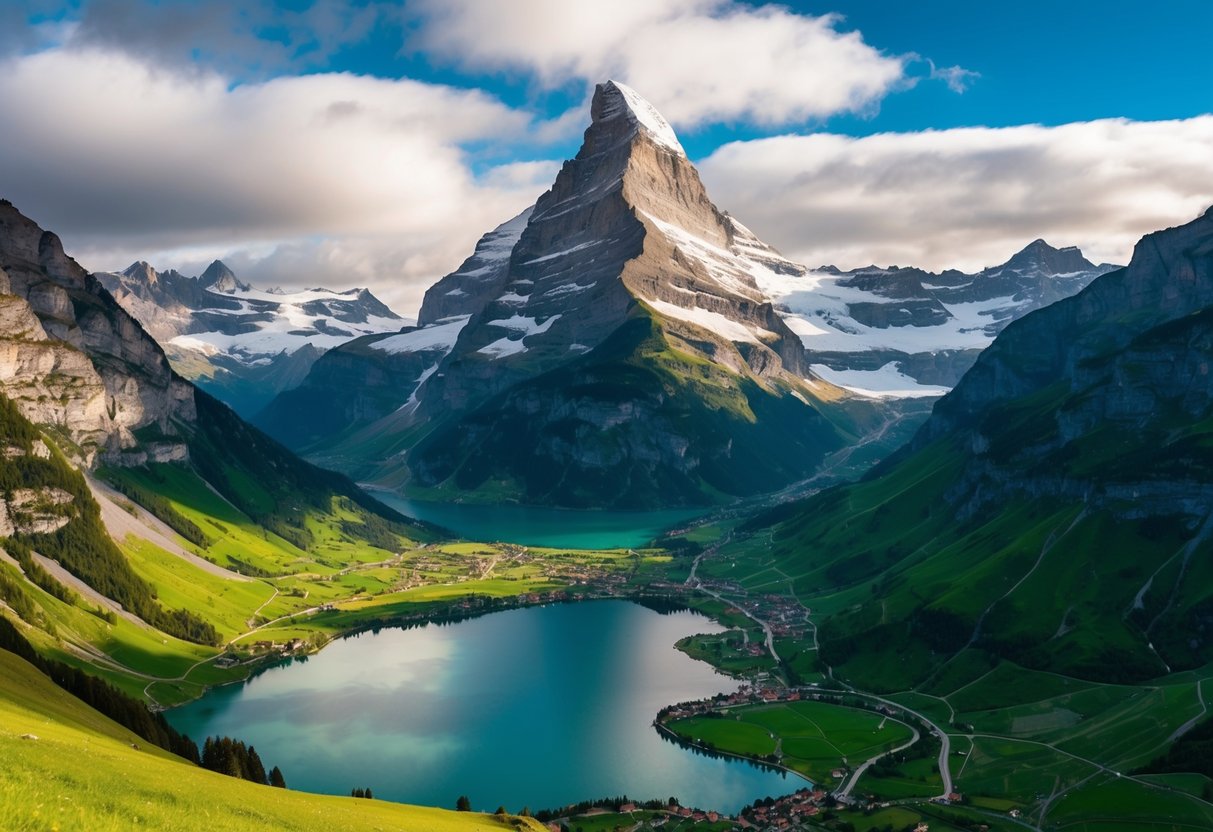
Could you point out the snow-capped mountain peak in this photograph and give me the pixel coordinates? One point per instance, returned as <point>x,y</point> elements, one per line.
<point>219,278</point>
<point>619,101</point>
<point>217,330</point>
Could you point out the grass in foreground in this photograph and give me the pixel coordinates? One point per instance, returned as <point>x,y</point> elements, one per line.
<point>85,772</point>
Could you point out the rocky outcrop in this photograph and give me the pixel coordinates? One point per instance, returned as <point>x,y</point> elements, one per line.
<point>73,360</point>
<point>35,511</point>
<point>479,279</point>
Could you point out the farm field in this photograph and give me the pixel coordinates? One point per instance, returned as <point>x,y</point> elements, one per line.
<point>810,738</point>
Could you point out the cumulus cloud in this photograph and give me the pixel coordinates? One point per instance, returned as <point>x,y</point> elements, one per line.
<point>699,61</point>
<point>966,198</point>
<point>326,178</point>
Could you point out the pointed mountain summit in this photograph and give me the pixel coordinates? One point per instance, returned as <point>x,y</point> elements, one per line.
<point>1041,257</point>
<point>627,221</point>
<point>219,278</point>
<point>609,346</point>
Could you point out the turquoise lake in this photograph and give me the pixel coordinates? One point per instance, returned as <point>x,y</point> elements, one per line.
<point>534,526</point>
<point>541,706</point>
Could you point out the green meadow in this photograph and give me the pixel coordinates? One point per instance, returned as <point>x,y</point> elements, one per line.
<point>811,738</point>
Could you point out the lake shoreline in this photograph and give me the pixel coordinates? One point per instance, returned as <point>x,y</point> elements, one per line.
<point>658,686</point>
<point>410,621</point>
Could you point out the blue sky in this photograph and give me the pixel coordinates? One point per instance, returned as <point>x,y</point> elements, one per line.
<point>367,142</point>
<point>1035,61</point>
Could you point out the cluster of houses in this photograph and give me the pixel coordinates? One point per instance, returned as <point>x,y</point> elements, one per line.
<point>671,815</point>
<point>787,812</point>
<point>753,694</point>
<point>782,613</point>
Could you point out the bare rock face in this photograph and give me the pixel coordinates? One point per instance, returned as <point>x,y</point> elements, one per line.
<point>626,222</point>
<point>479,279</point>
<point>72,359</point>
<point>36,510</point>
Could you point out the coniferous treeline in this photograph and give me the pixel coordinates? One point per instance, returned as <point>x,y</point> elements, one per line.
<point>546,815</point>
<point>1193,752</point>
<point>221,754</point>
<point>24,555</point>
<point>13,591</point>
<point>162,509</point>
<point>128,712</point>
<point>235,759</point>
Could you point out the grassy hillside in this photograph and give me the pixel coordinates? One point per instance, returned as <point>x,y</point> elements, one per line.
<point>900,584</point>
<point>1033,572</point>
<point>278,490</point>
<point>1052,512</point>
<point>85,772</point>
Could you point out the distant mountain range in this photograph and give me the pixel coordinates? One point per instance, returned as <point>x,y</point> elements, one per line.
<point>242,344</point>
<point>897,331</point>
<point>623,341</point>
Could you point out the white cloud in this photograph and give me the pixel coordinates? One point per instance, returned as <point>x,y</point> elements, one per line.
<point>698,61</point>
<point>966,198</point>
<point>340,179</point>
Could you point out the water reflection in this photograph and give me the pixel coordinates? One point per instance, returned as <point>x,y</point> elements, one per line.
<point>539,706</point>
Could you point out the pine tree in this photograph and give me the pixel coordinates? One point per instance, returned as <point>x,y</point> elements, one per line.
<point>463,804</point>
<point>256,770</point>
<point>276,778</point>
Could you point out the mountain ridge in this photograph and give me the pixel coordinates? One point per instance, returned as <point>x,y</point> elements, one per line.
<point>242,344</point>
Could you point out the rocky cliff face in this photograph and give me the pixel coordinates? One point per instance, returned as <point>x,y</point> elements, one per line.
<point>1100,396</point>
<point>73,360</point>
<point>466,290</point>
<point>627,220</point>
<point>241,344</point>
